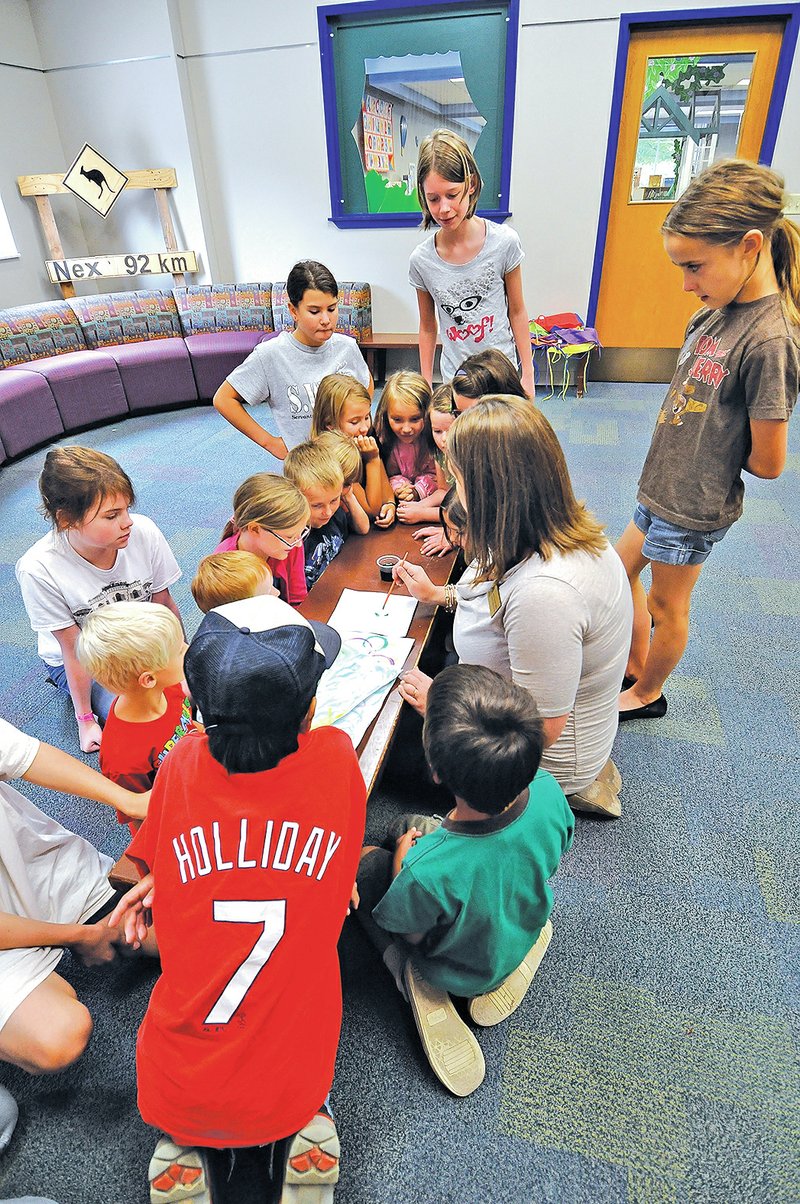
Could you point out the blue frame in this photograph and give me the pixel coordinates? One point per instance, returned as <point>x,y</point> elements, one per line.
<point>328,12</point>
<point>706,16</point>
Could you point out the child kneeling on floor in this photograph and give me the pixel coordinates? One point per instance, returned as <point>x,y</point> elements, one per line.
<point>135,651</point>
<point>252,838</point>
<point>464,909</point>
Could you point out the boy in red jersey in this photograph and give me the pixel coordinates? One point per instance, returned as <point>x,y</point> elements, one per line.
<point>135,650</point>
<point>252,838</point>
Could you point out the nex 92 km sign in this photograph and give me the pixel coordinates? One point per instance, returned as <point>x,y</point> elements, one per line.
<point>141,263</point>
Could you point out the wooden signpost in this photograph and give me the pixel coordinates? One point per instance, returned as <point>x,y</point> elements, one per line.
<point>160,180</point>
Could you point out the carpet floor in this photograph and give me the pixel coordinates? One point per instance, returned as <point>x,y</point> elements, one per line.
<point>654,1060</point>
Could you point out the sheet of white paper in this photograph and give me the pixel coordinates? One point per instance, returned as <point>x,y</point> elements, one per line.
<point>358,610</point>
<point>353,690</point>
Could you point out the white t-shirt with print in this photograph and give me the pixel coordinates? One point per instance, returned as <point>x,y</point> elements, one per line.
<point>60,588</point>
<point>285,373</point>
<point>46,873</point>
<point>470,298</point>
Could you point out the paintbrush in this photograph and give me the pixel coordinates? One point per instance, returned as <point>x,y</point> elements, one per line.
<point>394,583</point>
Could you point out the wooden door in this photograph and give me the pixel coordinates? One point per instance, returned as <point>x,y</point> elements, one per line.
<point>641,303</point>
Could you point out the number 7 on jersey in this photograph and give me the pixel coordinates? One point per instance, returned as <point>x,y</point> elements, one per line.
<point>272,914</point>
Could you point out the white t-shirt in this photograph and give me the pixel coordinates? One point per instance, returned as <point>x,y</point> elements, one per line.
<point>563,631</point>
<point>470,298</point>
<point>286,373</point>
<point>46,873</point>
<point>60,588</point>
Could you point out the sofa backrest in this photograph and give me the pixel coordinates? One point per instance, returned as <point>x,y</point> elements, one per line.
<point>31,332</point>
<point>355,309</point>
<point>203,308</point>
<point>109,319</point>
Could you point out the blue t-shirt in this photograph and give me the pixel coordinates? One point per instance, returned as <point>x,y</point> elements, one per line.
<point>323,543</point>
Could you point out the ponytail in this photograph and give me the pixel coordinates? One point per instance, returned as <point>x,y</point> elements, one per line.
<point>785,244</point>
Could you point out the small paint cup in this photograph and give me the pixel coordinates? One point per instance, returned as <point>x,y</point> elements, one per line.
<point>385,565</point>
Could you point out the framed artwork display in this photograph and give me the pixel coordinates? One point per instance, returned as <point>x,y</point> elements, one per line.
<point>394,72</point>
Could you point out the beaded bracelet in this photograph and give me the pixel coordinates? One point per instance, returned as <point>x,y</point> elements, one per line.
<point>450,599</point>
<point>87,718</point>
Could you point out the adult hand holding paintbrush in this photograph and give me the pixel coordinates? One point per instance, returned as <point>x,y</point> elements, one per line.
<point>418,583</point>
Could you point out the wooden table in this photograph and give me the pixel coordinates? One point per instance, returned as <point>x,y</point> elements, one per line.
<point>355,568</point>
<point>374,350</point>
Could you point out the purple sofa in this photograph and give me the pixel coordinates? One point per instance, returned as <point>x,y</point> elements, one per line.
<point>67,365</point>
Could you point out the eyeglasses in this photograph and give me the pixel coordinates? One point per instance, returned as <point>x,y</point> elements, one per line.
<point>290,543</point>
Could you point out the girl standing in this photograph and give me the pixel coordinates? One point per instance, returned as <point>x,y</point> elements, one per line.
<point>344,405</point>
<point>98,552</point>
<point>727,408</point>
<point>404,438</point>
<point>468,270</point>
<point>270,519</point>
<point>285,371</point>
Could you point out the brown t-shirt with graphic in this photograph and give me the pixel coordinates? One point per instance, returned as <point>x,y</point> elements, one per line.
<point>736,363</point>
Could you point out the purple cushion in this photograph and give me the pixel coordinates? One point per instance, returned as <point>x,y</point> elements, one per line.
<point>155,374</point>
<point>86,386</point>
<point>28,411</point>
<point>214,356</point>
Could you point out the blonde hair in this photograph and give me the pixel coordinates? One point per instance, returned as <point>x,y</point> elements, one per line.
<point>228,577</point>
<point>413,389</point>
<point>449,156</point>
<point>311,466</point>
<point>346,453</point>
<point>75,481</point>
<point>121,641</point>
<point>519,497</point>
<point>267,500</point>
<point>442,399</point>
<point>333,392</point>
<point>730,198</point>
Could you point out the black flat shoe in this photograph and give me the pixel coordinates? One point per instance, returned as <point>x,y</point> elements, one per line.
<point>651,710</point>
<point>627,682</point>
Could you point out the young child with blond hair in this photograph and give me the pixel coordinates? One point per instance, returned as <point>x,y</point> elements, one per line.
<point>228,577</point>
<point>318,475</point>
<point>135,650</point>
<point>270,519</point>
<point>342,404</point>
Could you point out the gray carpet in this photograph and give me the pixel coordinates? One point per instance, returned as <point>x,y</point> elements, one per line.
<point>654,1059</point>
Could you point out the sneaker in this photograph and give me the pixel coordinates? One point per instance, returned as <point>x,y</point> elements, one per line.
<point>596,799</point>
<point>177,1173</point>
<point>497,1005</point>
<point>402,823</point>
<point>314,1154</point>
<point>610,776</point>
<point>454,1055</point>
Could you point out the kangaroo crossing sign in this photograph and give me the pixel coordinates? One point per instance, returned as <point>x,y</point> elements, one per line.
<point>95,181</point>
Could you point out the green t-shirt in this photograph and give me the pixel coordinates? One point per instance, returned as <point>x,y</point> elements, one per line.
<point>479,891</point>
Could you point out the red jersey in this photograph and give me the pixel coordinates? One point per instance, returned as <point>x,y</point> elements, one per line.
<point>289,575</point>
<point>253,874</point>
<point>130,753</point>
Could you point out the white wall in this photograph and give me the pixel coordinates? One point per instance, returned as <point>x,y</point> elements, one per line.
<point>231,95</point>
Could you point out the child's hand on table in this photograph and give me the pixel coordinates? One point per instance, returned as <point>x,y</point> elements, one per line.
<point>409,511</point>
<point>386,515</point>
<point>435,542</point>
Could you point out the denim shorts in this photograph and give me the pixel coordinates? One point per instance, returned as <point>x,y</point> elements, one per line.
<point>668,544</point>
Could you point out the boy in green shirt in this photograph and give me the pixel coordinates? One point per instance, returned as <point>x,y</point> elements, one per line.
<point>470,899</point>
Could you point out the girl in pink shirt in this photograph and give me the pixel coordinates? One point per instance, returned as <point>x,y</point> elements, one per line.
<point>404,437</point>
<point>270,519</point>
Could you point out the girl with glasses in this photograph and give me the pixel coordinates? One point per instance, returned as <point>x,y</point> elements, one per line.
<point>270,519</point>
